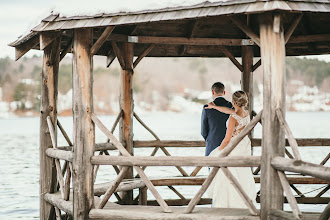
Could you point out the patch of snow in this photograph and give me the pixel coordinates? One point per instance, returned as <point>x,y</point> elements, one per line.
<point>87,7</point>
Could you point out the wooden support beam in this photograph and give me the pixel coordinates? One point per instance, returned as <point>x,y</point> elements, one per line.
<point>157,138</point>
<point>120,115</point>
<point>273,59</point>
<point>110,57</point>
<point>323,191</point>
<point>233,143</point>
<point>26,47</point>
<point>195,171</point>
<point>118,54</point>
<point>143,199</point>
<point>256,142</point>
<point>126,105</point>
<point>124,152</point>
<point>177,192</point>
<point>114,166</point>
<point>96,168</point>
<point>246,29</point>
<point>234,182</point>
<point>289,195</point>
<point>292,141</point>
<point>300,194</point>
<point>180,40</point>
<point>66,49</point>
<point>67,183</point>
<point>47,38</point>
<point>144,53</point>
<point>298,166</point>
<point>233,161</point>
<point>65,135</point>
<point>49,84</point>
<point>113,187</point>
<point>293,26</point>
<point>118,197</point>
<point>247,77</point>
<point>84,131</point>
<point>302,142</point>
<point>325,159</point>
<point>309,38</point>
<point>231,57</point>
<point>106,33</point>
<point>256,65</point>
<point>194,24</point>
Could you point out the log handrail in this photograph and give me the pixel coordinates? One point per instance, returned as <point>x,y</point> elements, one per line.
<point>203,161</point>
<point>298,166</point>
<point>60,154</point>
<point>255,142</point>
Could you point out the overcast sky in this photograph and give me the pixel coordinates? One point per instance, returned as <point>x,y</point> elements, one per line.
<point>17,17</point>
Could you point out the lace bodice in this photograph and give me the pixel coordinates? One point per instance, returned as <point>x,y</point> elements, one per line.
<point>242,122</point>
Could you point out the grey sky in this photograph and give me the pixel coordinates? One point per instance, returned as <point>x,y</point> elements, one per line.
<point>17,17</point>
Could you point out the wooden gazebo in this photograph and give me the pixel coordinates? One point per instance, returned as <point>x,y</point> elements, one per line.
<point>267,29</point>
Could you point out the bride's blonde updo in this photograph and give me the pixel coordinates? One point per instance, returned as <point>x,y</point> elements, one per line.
<point>240,98</point>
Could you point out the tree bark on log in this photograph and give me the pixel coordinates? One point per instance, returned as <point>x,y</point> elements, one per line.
<point>84,132</point>
<point>49,82</point>
<point>126,105</point>
<point>273,58</point>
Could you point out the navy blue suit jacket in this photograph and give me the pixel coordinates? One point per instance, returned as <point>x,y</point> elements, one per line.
<point>214,125</point>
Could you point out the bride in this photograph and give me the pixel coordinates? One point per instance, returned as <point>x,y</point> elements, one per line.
<point>221,191</point>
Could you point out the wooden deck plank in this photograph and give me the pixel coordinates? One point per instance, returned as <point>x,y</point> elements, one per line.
<point>155,212</point>
<point>115,211</point>
<point>200,213</point>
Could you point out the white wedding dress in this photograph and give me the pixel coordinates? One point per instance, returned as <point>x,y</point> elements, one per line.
<point>223,194</point>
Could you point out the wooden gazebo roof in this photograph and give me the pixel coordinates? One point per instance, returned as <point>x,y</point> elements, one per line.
<point>207,29</point>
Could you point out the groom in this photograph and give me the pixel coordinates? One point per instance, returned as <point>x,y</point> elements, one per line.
<point>214,122</point>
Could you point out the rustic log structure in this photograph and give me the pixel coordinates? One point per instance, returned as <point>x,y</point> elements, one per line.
<point>265,29</point>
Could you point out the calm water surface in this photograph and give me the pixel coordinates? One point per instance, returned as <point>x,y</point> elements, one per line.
<point>19,155</point>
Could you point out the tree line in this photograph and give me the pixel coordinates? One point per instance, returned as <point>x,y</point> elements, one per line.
<point>20,81</point>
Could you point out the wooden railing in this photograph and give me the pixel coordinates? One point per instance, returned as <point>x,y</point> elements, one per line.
<point>64,183</point>
<point>223,162</point>
<point>141,162</point>
<point>296,165</point>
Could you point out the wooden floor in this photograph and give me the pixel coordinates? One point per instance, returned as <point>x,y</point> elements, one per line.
<point>135,212</point>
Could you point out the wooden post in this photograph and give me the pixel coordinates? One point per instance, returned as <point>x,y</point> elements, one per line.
<point>126,105</point>
<point>247,77</point>
<point>273,139</point>
<point>84,131</point>
<point>49,81</point>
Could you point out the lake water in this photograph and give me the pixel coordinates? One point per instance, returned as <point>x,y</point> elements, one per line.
<point>19,154</point>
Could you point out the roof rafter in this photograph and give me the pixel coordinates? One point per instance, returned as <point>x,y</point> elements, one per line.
<point>291,29</point>
<point>105,35</point>
<point>246,29</point>
<point>23,48</point>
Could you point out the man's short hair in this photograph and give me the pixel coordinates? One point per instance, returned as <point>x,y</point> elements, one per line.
<point>218,87</point>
